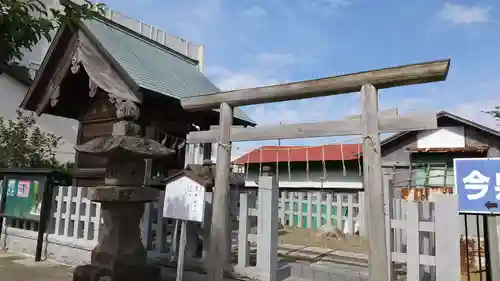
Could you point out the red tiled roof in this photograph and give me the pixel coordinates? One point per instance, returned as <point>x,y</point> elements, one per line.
<point>271,154</point>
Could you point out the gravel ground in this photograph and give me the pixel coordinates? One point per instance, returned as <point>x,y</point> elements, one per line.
<point>309,237</point>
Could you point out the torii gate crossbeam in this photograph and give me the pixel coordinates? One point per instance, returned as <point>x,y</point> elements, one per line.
<point>369,125</point>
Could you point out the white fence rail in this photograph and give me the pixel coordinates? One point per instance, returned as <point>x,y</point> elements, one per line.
<point>77,220</point>
<point>72,233</point>
<point>422,244</point>
<point>425,238</point>
<point>75,216</point>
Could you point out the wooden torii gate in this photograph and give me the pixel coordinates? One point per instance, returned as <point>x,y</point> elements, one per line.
<point>370,125</point>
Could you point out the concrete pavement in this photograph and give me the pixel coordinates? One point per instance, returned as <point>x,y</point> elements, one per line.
<point>15,267</point>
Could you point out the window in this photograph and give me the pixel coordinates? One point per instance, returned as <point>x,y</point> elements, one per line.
<point>438,175</point>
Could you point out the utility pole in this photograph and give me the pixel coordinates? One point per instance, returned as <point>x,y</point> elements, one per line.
<point>279,140</point>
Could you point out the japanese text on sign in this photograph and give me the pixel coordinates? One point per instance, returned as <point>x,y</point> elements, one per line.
<point>23,198</point>
<point>184,200</point>
<point>478,184</point>
<point>11,188</point>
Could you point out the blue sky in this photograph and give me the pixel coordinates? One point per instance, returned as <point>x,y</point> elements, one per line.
<point>252,43</point>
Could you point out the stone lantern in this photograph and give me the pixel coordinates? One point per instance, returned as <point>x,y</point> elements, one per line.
<point>120,254</point>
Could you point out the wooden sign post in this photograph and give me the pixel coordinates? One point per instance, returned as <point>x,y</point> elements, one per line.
<point>185,201</point>
<point>370,125</point>
<point>27,194</point>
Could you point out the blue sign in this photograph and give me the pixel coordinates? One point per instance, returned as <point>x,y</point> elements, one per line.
<point>477,181</point>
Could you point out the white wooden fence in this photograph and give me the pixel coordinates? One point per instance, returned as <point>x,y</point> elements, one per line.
<point>75,215</point>
<point>424,239</point>
<point>76,222</point>
<point>422,234</point>
<point>72,233</point>
<point>262,205</point>
<point>160,231</point>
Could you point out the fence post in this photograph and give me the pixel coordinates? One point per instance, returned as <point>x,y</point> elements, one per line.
<point>291,217</point>
<point>338,212</point>
<point>243,229</point>
<point>58,213</point>
<point>300,209</point>
<point>97,221</point>
<point>78,205</point>
<point>329,209</point>
<point>309,209</point>
<point>388,198</point>
<point>350,210</point>
<point>494,261</point>
<point>207,222</point>
<point>67,214</point>
<point>447,228</point>
<point>413,241</point>
<point>267,225</point>
<point>282,204</point>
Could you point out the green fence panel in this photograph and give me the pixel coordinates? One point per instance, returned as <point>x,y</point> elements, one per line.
<point>315,222</point>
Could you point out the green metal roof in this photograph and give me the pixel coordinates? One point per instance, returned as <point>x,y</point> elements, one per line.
<point>153,66</point>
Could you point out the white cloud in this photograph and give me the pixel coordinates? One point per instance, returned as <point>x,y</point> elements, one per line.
<point>459,14</point>
<point>264,69</point>
<point>276,113</point>
<point>255,12</point>
<point>226,79</point>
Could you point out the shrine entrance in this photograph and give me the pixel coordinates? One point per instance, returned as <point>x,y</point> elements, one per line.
<point>131,132</point>
<point>369,124</point>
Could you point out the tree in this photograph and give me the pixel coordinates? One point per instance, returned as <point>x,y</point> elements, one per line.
<point>495,113</point>
<point>23,144</point>
<point>24,22</point>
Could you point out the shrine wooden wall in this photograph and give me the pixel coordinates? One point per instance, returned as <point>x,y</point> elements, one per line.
<point>164,121</point>
<point>95,121</point>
